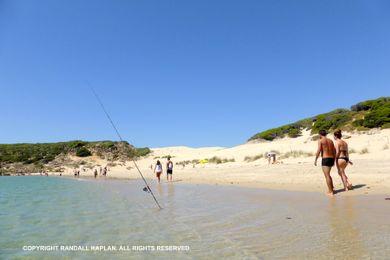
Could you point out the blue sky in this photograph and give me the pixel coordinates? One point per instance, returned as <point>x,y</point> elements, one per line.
<point>196,73</point>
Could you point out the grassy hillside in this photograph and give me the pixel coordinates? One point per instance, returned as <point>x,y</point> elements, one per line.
<point>362,116</point>
<point>37,156</point>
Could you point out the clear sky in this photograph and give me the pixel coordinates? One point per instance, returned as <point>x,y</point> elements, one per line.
<point>196,73</point>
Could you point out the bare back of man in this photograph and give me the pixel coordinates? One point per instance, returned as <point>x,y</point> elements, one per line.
<point>327,150</point>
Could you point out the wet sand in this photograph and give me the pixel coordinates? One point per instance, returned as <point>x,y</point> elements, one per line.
<point>262,223</point>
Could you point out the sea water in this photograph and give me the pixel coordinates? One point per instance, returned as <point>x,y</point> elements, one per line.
<point>53,217</point>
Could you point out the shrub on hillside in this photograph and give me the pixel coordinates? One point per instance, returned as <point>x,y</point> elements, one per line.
<point>83,152</point>
<point>218,160</point>
<point>331,120</point>
<point>142,151</point>
<point>253,158</point>
<point>370,104</point>
<point>293,132</point>
<point>386,126</point>
<point>377,117</point>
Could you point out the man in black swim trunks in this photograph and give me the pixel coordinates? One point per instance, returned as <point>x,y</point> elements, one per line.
<point>328,152</point>
<point>169,169</point>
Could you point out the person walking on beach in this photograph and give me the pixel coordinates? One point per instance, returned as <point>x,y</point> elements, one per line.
<point>95,173</point>
<point>169,169</point>
<point>328,152</point>
<point>158,170</point>
<point>342,159</point>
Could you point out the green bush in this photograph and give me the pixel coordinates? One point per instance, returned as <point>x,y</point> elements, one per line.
<point>218,160</point>
<point>370,104</point>
<point>377,117</point>
<point>76,144</point>
<point>107,144</point>
<point>293,132</point>
<point>83,152</point>
<point>253,158</point>
<point>142,151</point>
<point>358,123</point>
<point>364,115</point>
<point>166,156</point>
<point>386,126</point>
<point>331,120</point>
<point>44,153</point>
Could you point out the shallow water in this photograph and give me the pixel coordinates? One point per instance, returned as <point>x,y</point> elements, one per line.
<point>213,221</point>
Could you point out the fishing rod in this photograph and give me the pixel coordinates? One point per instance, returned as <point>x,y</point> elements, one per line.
<point>147,188</point>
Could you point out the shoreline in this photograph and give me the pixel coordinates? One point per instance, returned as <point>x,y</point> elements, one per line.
<point>359,189</point>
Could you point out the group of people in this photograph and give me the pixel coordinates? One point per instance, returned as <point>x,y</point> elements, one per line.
<point>158,169</point>
<point>333,153</point>
<point>76,173</point>
<point>102,172</point>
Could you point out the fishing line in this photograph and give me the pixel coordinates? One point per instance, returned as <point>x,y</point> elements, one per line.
<point>147,188</point>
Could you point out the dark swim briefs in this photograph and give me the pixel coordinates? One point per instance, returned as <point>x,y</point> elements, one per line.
<point>344,158</point>
<point>329,162</point>
<point>169,171</point>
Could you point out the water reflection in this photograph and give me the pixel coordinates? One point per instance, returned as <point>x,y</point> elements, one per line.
<point>345,238</point>
<point>159,189</point>
<point>171,190</point>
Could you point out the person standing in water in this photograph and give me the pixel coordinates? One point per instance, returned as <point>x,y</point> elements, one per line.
<point>169,169</point>
<point>328,152</point>
<point>342,159</point>
<point>158,170</point>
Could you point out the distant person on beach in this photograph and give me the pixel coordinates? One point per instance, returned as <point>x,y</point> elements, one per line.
<point>271,155</point>
<point>100,170</point>
<point>342,159</point>
<point>158,170</point>
<point>105,171</point>
<point>95,173</point>
<point>328,152</point>
<point>75,172</point>
<point>169,169</point>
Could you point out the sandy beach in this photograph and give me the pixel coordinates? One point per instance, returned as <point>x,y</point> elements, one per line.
<point>294,170</point>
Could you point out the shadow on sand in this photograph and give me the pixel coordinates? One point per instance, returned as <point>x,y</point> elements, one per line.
<point>354,187</point>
